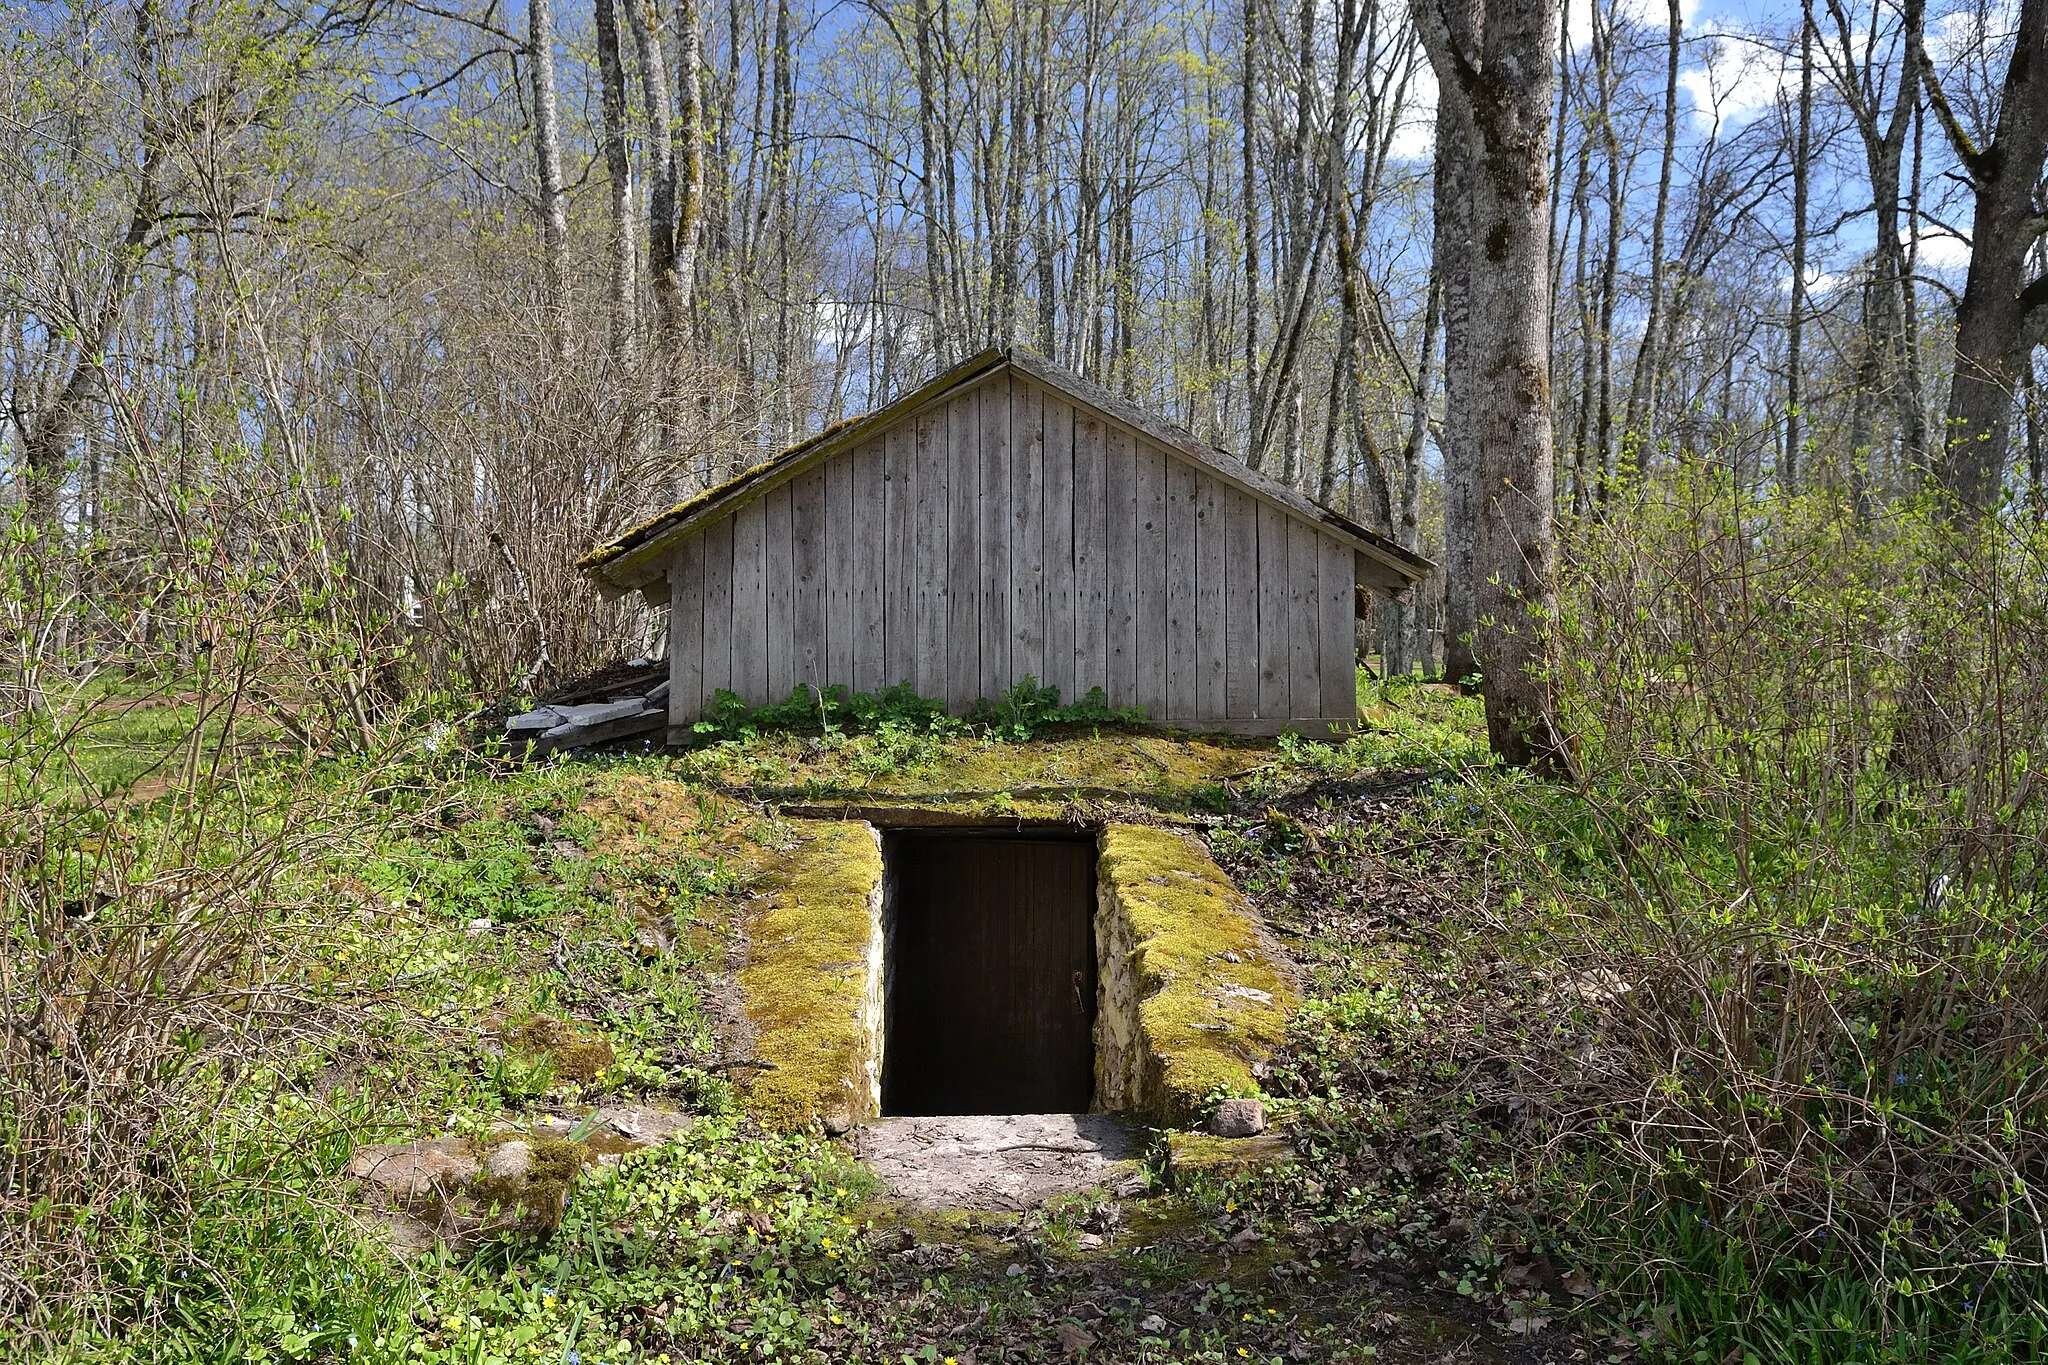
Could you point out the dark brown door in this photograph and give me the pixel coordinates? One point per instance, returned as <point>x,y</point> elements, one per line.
<point>991,983</point>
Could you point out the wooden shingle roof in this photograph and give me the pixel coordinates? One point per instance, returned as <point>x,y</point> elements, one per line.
<point>639,556</point>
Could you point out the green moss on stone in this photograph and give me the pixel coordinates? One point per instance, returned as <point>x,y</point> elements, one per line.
<point>1190,1155</point>
<point>1212,998</point>
<point>541,1195</point>
<point>806,977</point>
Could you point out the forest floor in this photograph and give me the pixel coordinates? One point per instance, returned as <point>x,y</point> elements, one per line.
<point>518,944</point>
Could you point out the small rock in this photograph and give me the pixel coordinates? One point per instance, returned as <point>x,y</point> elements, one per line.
<point>1088,1241</point>
<point>641,1123</point>
<point>1238,1119</point>
<point>1152,1324</point>
<point>1230,956</point>
<point>479,926</point>
<point>1013,1270</point>
<point>1075,1338</point>
<point>567,848</point>
<point>409,1171</point>
<point>509,1160</point>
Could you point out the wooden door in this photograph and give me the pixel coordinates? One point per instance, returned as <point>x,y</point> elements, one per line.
<point>991,981</point>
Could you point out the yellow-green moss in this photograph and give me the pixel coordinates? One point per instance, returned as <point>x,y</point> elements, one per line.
<point>1199,1154</point>
<point>577,1054</point>
<point>542,1193</point>
<point>806,978</point>
<point>1212,1000</point>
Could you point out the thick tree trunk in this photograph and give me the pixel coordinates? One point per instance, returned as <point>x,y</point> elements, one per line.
<point>1992,321</point>
<point>554,200</point>
<point>1496,66</point>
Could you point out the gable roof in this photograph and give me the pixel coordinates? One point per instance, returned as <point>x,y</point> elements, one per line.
<point>638,556</point>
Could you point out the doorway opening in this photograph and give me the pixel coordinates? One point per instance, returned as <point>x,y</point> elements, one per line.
<point>989,977</point>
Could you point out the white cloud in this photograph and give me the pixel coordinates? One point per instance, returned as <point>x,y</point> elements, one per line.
<point>1940,250</point>
<point>1740,79</point>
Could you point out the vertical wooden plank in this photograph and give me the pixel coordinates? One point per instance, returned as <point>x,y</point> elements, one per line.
<point>1337,611</point>
<point>807,575</point>
<point>1059,547</point>
<point>717,608</point>
<point>750,603</point>
<point>899,568</point>
<point>1275,657</point>
<point>1151,555</point>
<point>686,632</point>
<point>839,572</point>
<point>963,554</point>
<point>1027,530</point>
<point>1240,603</point>
<point>867,561</point>
<point>1091,554</point>
<point>1120,594</point>
<point>1181,671</point>
<point>779,561</point>
<point>1211,622</point>
<point>930,586</point>
<point>993,402</point>
<point>1305,676</point>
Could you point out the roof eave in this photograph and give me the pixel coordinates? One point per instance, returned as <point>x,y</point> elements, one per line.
<point>639,556</point>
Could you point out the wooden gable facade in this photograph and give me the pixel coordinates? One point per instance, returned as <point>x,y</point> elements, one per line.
<point>1007,521</point>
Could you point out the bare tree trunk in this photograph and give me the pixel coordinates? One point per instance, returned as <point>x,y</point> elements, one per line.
<point>1886,311</point>
<point>1453,250</point>
<point>1789,466</point>
<point>671,312</point>
<point>930,180</point>
<point>1642,389</point>
<point>2002,314</point>
<point>689,153</point>
<point>554,200</point>
<point>1255,417</point>
<point>1606,461</point>
<point>47,440</point>
<point>1402,622</point>
<point>621,277</point>
<point>1496,65</point>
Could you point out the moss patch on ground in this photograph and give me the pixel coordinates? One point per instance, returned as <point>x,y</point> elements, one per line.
<point>806,983</point>
<point>1168,770</point>
<point>1212,1000</point>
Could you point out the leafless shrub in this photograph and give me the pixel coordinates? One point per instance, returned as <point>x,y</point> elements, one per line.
<point>152,904</point>
<point>1813,976</point>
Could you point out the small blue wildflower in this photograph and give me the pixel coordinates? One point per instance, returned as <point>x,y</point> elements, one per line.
<point>572,1357</point>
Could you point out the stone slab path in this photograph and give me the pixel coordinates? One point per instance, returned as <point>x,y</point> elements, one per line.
<point>1004,1161</point>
